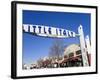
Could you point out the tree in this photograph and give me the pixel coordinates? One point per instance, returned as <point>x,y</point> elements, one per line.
<point>56,49</point>
<point>40,62</point>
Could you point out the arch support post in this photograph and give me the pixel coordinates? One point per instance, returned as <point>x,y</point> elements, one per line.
<point>83,46</point>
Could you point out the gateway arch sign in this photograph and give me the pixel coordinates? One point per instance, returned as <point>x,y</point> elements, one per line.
<point>46,31</point>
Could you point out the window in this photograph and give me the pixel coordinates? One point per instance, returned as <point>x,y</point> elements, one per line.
<point>71,55</point>
<point>78,52</point>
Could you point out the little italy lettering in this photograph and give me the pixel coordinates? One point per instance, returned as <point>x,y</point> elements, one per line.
<point>47,31</point>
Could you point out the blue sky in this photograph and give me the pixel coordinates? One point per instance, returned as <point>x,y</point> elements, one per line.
<point>35,47</point>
